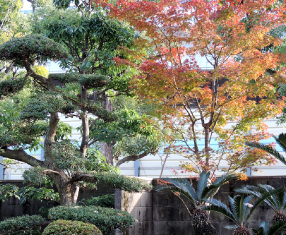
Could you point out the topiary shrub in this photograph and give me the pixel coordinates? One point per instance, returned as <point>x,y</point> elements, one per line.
<point>106,219</point>
<point>22,225</point>
<point>68,227</point>
<point>34,47</point>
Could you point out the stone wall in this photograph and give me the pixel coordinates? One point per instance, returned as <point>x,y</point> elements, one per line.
<point>139,205</point>
<point>11,207</point>
<point>158,213</point>
<point>163,213</point>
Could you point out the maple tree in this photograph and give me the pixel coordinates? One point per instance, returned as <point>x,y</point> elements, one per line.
<point>223,103</point>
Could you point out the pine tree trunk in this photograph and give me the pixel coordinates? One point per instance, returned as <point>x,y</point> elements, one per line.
<point>68,192</point>
<point>107,151</point>
<point>107,148</point>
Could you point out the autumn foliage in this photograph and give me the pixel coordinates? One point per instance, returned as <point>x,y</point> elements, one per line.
<point>224,101</point>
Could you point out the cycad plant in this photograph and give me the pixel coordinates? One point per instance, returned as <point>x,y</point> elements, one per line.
<point>277,201</point>
<point>281,140</point>
<point>205,190</point>
<point>264,229</point>
<point>240,210</point>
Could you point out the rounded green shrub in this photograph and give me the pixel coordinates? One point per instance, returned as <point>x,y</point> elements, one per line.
<point>32,48</point>
<point>68,227</point>
<point>106,219</point>
<point>22,225</point>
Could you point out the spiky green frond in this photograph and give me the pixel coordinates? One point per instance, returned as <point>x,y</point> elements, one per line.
<point>281,140</point>
<point>185,186</point>
<point>246,190</point>
<point>260,200</point>
<point>233,207</point>
<point>224,179</point>
<point>275,201</point>
<point>219,207</point>
<point>257,192</point>
<point>212,189</point>
<point>268,149</point>
<point>284,201</point>
<point>244,207</point>
<point>276,228</point>
<point>202,183</point>
<point>262,230</point>
<point>175,189</point>
<point>267,187</point>
<point>238,207</point>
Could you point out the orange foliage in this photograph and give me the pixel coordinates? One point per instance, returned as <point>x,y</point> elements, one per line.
<point>232,37</point>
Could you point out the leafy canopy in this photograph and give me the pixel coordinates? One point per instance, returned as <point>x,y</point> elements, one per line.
<point>239,84</point>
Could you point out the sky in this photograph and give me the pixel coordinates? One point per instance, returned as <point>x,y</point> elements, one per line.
<point>26,5</point>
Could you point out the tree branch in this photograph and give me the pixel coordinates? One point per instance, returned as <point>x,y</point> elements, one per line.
<point>132,158</point>
<point>21,155</point>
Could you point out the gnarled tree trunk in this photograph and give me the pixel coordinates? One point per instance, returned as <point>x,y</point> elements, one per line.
<point>107,148</point>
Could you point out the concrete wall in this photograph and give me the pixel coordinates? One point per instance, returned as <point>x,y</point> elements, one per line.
<point>139,205</point>
<point>163,213</point>
<point>12,207</point>
<point>158,213</point>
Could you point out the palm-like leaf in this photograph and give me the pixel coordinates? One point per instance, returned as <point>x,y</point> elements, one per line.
<point>219,207</point>
<point>182,186</point>
<point>276,228</point>
<point>238,207</point>
<point>204,191</point>
<point>202,183</point>
<point>269,149</point>
<point>178,190</point>
<point>262,199</point>
<point>238,212</point>
<point>212,189</point>
<point>265,230</point>
<point>281,140</point>
<point>244,207</point>
<point>262,230</point>
<point>275,201</point>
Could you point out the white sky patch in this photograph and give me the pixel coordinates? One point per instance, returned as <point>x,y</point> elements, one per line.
<point>26,5</point>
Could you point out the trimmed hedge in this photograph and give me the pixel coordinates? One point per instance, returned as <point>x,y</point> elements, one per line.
<point>106,219</point>
<point>22,225</point>
<point>115,180</point>
<point>68,227</point>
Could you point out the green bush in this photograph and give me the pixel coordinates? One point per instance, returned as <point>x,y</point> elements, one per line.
<point>103,201</point>
<point>106,219</point>
<point>22,225</point>
<point>68,227</point>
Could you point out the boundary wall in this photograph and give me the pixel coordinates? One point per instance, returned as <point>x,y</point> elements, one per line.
<point>157,213</point>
